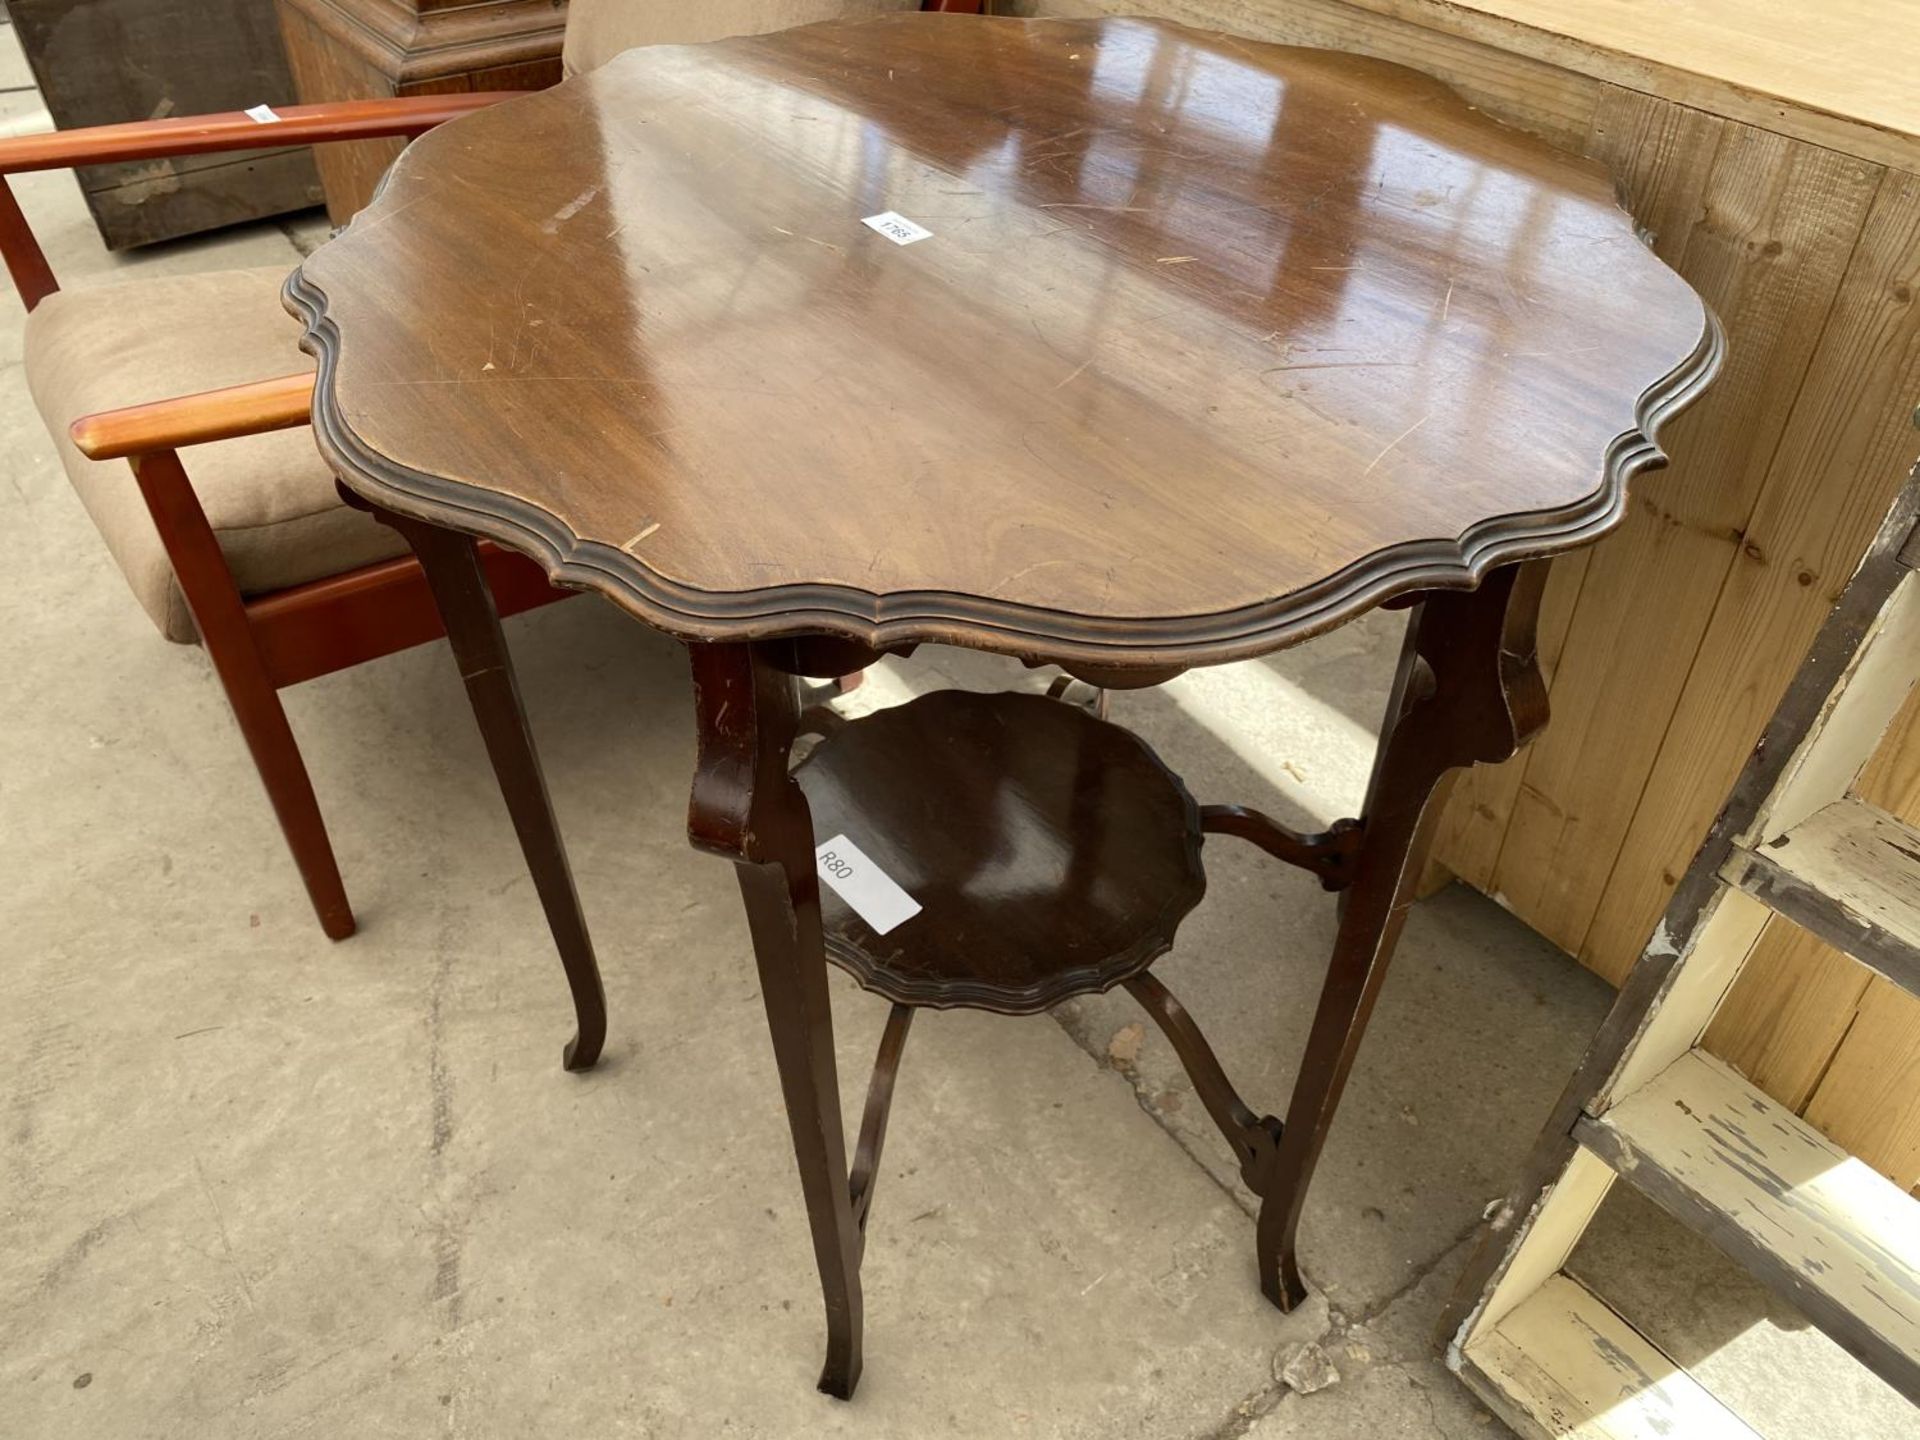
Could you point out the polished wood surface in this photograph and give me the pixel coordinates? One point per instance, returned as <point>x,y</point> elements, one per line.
<point>1182,374</point>
<point>220,616</point>
<point>458,577</point>
<point>235,130</point>
<point>252,409</point>
<point>1052,854</point>
<point>746,807</point>
<point>346,620</point>
<point>26,262</point>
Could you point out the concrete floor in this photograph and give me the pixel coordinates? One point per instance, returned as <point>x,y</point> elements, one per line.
<point>257,1184</point>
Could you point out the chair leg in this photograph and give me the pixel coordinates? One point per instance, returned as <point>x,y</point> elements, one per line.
<point>221,617</point>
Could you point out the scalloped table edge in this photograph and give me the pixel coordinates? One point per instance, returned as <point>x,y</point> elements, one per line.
<point>941,617</point>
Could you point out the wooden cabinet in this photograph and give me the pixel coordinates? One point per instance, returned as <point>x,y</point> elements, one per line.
<point>1782,179</point>
<point>361,49</point>
<point>104,62</point>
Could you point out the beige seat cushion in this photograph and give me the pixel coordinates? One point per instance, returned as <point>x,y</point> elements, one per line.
<point>269,498</point>
<point>598,30</point>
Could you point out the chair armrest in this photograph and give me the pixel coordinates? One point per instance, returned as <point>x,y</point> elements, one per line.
<point>406,115</point>
<point>196,419</point>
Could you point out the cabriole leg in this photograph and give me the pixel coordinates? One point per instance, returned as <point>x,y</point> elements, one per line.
<point>1468,690</point>
<point>459,584</point>
<point>746,808</point>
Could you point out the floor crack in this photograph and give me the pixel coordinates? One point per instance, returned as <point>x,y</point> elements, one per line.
<point>1418,1275</point>
<point>1248,1413</point>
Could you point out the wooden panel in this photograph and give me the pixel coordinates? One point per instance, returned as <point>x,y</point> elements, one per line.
<point>1563,1364</point>
<point>1743,57</point>
<point>1821,1228</point>
<point>1892,778</point>
<point>1788,1013</point>
<point>1543,98</point>
<point>166,199</point>
<point>1828,104</point>
<point>323,71</point>
<point>1763,227</point>
<point>1850,873</point>
<point>1475,811</point>
<point>194,57</point>
<point>1847,446</point>
<point>346,49</point>
<point>1869,1100</point>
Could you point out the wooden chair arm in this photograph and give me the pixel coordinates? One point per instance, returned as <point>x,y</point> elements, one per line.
<point>236,130</point>
<point>195,419</point>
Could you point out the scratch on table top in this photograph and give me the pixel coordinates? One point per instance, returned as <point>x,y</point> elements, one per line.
<point>641,536</point>
<point>1078,372</point>
<point>1343,365</point>
<point>1042,336</point>
<point>1395,442</point>
<point>1006,582</point>
<point>500,379</point>
<point>1549,354</point>
<point>572,208</point>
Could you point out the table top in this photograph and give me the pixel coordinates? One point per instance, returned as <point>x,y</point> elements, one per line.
<point>1212,345</point>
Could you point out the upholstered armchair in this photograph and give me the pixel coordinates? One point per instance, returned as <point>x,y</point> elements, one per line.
<point>244,545</point>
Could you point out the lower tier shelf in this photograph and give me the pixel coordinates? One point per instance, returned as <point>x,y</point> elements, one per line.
<point>1564,1366</point>
<point>1828,1233</point>
<point>1053,854</point>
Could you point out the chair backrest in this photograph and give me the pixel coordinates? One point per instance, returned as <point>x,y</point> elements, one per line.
<point>598,30</point>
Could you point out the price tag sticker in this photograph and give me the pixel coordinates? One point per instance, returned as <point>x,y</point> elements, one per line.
<point>869,890</point>
<point>262,114</point>
<point>897,228</point>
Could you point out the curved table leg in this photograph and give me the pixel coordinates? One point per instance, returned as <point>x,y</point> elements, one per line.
<point>747,809</point>
<point>1468,690</point>
<point>460,591</point>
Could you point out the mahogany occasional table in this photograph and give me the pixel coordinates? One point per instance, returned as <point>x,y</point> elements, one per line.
<point>1159,349</point>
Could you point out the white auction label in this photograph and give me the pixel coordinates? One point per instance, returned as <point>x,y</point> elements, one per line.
<point>853,876</point>
<point>263,114</point>
<point>897,228</point>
